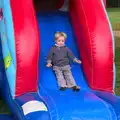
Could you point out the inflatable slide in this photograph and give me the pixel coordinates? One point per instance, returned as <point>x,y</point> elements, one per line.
<point>30,89</point>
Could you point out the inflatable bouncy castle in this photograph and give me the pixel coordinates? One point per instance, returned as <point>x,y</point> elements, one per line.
<point>27,29</point>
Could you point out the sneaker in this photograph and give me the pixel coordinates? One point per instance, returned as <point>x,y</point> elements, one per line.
<point>75,88</point>
<point>62,88</point>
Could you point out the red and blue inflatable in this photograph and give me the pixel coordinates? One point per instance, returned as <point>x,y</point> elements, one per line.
<point>27,29</point>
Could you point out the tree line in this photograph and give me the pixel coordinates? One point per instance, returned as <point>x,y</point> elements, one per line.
<point>113,3</point>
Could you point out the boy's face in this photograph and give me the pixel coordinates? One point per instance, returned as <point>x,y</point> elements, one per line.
<point>60,41</point>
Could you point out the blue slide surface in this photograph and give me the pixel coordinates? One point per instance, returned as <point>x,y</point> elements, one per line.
<point>68,105</point>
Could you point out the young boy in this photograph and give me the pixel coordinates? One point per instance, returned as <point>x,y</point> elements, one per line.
<point>58,57</point>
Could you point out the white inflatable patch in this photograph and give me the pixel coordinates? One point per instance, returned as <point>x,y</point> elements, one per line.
<point>65,6</point>
<point>33,106</point>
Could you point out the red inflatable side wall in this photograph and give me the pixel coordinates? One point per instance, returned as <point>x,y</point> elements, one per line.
<point>94,41</point>
<point>27,45</point>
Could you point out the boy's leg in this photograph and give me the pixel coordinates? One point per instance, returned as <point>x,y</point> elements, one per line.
<point>59,76</point>
<point>68,76</point>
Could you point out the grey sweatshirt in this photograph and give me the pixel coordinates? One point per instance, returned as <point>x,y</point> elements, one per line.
<point>60,56</point>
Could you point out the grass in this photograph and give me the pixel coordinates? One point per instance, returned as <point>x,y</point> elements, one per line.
<point>4,108</point>
<point>114,16</point>
<point>117,62</point>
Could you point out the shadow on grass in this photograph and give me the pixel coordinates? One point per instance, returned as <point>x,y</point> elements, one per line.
<point>4,108</point>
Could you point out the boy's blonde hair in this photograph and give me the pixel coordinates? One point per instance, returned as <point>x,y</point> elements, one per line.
<point>58,34</point>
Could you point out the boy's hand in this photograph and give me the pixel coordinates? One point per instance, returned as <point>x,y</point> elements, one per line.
<point>78,61</point>
<point>49,65</point>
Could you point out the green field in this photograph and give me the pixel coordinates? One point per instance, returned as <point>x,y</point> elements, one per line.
<point>114,15</point>
<point>117,62</point>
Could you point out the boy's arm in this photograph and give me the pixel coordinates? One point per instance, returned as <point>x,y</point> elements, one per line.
<point>49,56</point>
<point>71,55</point>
